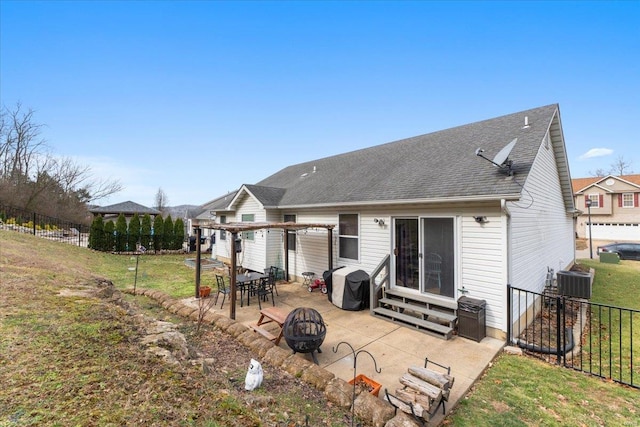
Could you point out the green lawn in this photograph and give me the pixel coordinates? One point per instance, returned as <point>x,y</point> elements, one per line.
<point>524,391</point>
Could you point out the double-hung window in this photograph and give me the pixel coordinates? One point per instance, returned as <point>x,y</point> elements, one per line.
<point>595,200</point>
<point>248,235</point>
<point>349,236</point>
<point>627,200</point>
<point>291,234</point>
<point>223,234</point>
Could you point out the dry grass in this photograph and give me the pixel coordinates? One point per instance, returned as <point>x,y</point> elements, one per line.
<point>70,359</point>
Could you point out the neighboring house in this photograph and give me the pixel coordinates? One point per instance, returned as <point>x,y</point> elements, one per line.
<point>215,209</point>
<point>128,208</point>
<point>443,220</point>
<point>615,207</point>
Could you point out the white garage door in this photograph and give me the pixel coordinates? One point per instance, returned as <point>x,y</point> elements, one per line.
<point>612,231</point>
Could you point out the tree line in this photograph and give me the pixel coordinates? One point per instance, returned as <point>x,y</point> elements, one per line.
<point>34,179</point>
<point>136,234</point>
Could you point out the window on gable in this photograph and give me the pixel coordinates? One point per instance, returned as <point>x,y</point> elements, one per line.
<point>248,235</point>
<point>223,234</point>
<point>349,237</point>
<point>291,234</point>
<point>627,200</point>
<point>595,200</point>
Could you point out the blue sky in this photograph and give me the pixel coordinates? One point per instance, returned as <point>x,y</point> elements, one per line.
<point>198,98</point>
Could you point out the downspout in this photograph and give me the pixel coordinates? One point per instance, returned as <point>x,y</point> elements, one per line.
<point>507,232</point>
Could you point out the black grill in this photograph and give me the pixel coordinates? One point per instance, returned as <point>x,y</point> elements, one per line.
<point>304,330</point>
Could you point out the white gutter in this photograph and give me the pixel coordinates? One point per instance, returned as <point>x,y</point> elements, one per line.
<point>501,197</point>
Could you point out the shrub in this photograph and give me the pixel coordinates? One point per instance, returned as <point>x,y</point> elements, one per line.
<point>167,237</point>
<point>145,231</point>
<point>109,236</point>
<point>178,234</point>
<point>121,233</point>
<point>134,232</point>
<point>158,231</point>
<point>96,234</point>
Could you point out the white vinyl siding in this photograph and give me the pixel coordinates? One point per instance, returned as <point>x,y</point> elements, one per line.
<point>483,269</point>
<point>253,253</point>
<point>542,231</point>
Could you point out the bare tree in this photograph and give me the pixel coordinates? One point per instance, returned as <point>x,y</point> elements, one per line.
<point>621,167</point>
<point>30,176</point>
<point>20,142</point>
<point>161,200</point>
<point>598,172</point>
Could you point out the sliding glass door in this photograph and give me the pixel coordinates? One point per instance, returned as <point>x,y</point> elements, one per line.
<point>406,253</point>
<point>424,255</point>
<point>438,260</point>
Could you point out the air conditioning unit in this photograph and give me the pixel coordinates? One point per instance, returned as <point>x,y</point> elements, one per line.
<point>574,284</point>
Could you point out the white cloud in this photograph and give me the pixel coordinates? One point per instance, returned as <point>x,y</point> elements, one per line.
<point>596,152</point>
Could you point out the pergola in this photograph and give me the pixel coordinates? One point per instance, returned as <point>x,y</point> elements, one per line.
<point>238,227</point>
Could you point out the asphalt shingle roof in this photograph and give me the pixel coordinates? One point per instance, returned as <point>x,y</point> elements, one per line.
<point>581,183</point>
<point>126,208</point>
<point>438,165</point>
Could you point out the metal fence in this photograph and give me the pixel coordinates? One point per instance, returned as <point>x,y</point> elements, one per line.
<point>598,339</point>
<point>23,221</point>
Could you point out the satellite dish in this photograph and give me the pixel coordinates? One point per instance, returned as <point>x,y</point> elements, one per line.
<point>501,160</point>
<point>502,157</point>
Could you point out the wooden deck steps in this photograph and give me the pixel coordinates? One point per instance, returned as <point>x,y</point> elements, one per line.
<point>427,314</point>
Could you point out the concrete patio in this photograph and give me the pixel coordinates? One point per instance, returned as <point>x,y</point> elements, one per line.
<point>394,347</point>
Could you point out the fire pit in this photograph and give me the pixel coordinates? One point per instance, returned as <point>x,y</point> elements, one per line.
<point>304,331</point>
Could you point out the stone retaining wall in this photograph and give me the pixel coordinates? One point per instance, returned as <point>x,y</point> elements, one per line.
<point>372,410</point>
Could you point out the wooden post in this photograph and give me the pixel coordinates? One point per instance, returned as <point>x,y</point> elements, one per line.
<point>232,277</point>
<point>198,234</point>
<point>286,255</point>
<point>330,235</point>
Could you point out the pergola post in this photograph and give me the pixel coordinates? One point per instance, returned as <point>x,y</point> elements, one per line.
<point>232,276</point>
<point>198,234</point>
<point>330,249</point>
<point>286,254</point>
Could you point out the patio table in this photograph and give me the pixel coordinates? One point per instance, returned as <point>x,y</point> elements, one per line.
<point>247,284</point>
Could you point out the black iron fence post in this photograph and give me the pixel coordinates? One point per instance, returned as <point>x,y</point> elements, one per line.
<point>34,223</point>
<point>558,329</point>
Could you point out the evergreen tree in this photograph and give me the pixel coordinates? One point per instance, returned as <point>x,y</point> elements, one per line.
<point>134,233</point>
<point>121,233</point>
<point>167,237</point>
<point>158,231</point>
<point>145,231</point>
<point>109,238</point>
<point>96,233</point>
<point>178,234</point>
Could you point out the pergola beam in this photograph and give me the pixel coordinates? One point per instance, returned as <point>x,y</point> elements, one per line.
<point>238,227</point>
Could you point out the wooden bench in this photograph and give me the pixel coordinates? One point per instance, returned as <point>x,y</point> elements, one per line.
<point>268,335</point>
<point>269,315</point>
<point>424,391</point>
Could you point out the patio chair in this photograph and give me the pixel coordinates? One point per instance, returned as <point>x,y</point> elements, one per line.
<point>273,271</point>
<point>222,289</point>
<point>265,288</point>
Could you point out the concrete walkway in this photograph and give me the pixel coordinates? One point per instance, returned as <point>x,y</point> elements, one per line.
<point>394,347</point>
